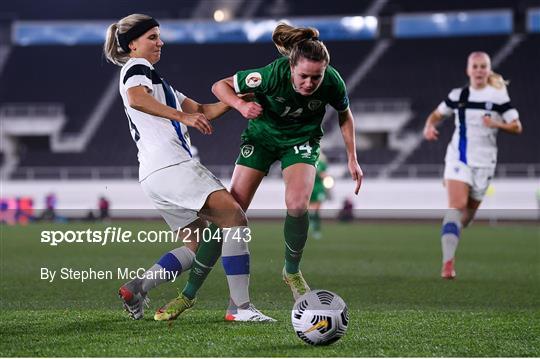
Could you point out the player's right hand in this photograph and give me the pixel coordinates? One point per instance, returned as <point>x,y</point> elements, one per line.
<point>199,121</point>
<point>250,110</point>
<point>431,133</point>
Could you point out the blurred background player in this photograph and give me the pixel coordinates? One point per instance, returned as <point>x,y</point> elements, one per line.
<point>481,108</point>
<point>291,97</point>
<point>49,213</point>
<point>318,196</point>
<point>346,213</point>
<point>103,207</point>
<point>185,193</point>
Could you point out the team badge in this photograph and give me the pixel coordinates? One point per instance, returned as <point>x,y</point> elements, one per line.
<point>247,150</point>
<point>254,79</point>
<point>489,106</point>
<point>314,104</point>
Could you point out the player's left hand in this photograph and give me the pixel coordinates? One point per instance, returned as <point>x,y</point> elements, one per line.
<point>356,174</point>
<point>489,122</point>
<point>248,97</point>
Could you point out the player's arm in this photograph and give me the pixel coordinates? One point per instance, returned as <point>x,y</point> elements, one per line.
<point>210,110</point>
<point>513,126</point>
<point>224,91</point>
<point>430,128</point>
<point>346,125</point>
<point>140,99</point>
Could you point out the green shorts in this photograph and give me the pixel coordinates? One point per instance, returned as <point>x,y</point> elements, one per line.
<point>261,157</point>
<point>318,194</point>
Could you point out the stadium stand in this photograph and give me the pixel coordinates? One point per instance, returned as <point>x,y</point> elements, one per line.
<point>74,76</point>
<point>396,6</point>
<point>94,10</point>
<point>422,71</point>
<point>112,145</point>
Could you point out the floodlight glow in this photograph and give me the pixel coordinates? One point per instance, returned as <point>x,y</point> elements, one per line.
<point>371,22</point>
<point>328,182</point>
<point>220,15</point>
<point>354,23</point>
<point>439,18</point>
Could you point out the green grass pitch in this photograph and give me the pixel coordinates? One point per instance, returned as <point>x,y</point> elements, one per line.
<point>388,274</point>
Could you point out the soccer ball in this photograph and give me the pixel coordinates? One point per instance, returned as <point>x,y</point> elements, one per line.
<point>320,317</point>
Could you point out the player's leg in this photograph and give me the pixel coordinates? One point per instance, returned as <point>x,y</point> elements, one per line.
<point>207,254</point>
<point>179,192</point>
<point>134,293</point>
<point>235,254</point>
<point>227,214</point>
<point>458,194</point>
<point>162,188</point>
<point>315,218</point>
<point>470,211</point>
<point>224,211</point>
<point>481,179</point>
<point>221,209</point>
<point>244,183</point>
<point>299,179</point>
<point>251,167</point>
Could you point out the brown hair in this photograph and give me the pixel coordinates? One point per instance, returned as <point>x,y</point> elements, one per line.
<point>112,50</point>
<point>299,42</point>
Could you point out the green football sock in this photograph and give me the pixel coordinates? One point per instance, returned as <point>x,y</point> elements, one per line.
<point>315,221</point>
<point>295,230</point>
<point>207,255</point>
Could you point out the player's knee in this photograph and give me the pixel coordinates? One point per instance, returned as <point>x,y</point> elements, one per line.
<point>466,221</point>
<point>459,204</point>
<point>297,203</point>
<point>239,217</point>
<point>234,216</point>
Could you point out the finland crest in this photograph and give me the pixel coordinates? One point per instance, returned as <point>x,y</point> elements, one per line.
<point>314,104</point>
<point>246,150</point>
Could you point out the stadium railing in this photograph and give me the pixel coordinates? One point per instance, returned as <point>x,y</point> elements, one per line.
<point>514,170</point>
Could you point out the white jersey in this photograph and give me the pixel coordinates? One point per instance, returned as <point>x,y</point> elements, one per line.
<point>161,142</point>
<point>473,143</point>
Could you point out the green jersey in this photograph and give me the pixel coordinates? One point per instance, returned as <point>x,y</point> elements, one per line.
<point>288,118</point>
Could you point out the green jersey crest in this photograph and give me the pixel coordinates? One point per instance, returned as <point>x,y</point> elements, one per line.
<point>288,118</point>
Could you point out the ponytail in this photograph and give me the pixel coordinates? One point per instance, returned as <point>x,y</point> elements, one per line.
<point>299,42</point>
<point>496,80</point>
<point>112,49</point>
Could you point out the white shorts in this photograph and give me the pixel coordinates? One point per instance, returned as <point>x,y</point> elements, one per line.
<point>180,191</point>
<point>478,178</point>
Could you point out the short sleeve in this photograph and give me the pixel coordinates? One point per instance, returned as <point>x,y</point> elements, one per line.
<point>261,80</point>
<point>138,73</point>
<point>504,107</point>
<point>510,115</point>
<point>447,106</point>
<point>181,97</point>
<point>339,98</point>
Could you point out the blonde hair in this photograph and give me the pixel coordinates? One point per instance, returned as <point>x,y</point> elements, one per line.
<point>112,50</point>
<point>494,79</point>
<point>299,42</point>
